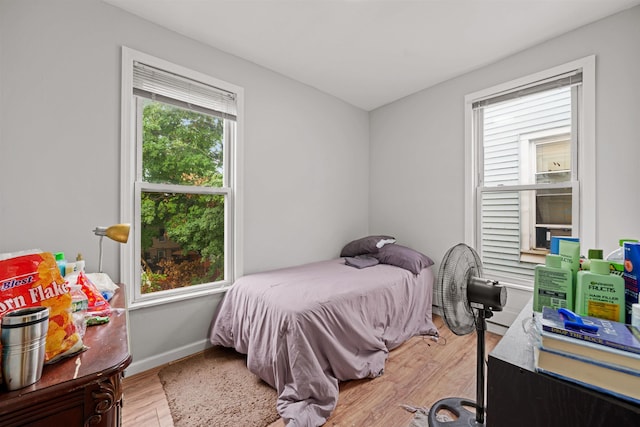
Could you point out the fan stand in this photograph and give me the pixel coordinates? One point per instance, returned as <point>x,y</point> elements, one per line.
<point>457,405</point>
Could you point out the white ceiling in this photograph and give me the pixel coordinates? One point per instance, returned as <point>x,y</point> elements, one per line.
<point>372,52</point>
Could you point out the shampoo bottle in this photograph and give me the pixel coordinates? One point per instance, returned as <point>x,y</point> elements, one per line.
<point>599,293</point>
<point>62,263</point>
<point>570,253</point>
<point>616,257</point>
<point>552,286</point>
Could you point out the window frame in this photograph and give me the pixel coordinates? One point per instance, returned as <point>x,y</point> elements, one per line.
<point>132,186</point>
<point>584,182</point>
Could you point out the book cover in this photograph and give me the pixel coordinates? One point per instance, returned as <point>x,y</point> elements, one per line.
<point>610,333</point>
<point>621,383</point>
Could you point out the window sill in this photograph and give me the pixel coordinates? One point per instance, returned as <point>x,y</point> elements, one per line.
<point>168,299</point>
<point>534,256</point>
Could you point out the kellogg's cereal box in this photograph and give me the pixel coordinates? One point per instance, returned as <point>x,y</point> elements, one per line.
<point>34,280</point>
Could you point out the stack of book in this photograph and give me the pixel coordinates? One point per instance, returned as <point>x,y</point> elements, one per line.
<point>606,359</point>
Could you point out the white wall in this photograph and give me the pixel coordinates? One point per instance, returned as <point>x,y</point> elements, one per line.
<point>419,140</point>
<point>304,153</point>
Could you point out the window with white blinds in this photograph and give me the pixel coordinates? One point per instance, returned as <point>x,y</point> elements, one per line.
<point>526,140</point>
<point>182,147</point>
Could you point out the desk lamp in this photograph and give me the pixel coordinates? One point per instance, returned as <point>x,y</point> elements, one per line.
<point>117,232</point>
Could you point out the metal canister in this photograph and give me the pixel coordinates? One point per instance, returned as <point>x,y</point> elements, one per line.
<point>24,334</point>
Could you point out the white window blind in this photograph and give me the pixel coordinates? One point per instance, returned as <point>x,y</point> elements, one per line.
<point>564,80</point>
<point>162,86</point>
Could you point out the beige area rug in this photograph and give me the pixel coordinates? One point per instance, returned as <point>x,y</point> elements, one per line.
<point>215,388</point>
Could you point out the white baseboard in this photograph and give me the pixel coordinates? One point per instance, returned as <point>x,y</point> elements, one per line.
<point>145,364</point>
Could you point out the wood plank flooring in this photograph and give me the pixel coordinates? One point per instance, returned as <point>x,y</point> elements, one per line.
<point>418,373</point>
<point>144,401</point>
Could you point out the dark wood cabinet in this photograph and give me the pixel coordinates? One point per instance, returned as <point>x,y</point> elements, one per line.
<point>83,390</point>
<point>517,395</point>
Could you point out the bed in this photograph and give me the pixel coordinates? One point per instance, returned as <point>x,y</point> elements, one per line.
<point>306,328</point>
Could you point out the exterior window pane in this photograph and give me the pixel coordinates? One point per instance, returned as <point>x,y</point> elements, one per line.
<point>553,162</point>
<point>517,227</point>
<point>507,126</point>
<point>182,240</point>
<point>181,146</point>
<point>553,207</point>
<point>182,233</point>
<point>500,233</point>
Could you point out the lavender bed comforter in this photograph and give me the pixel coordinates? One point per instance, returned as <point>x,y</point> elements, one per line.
<point>306,328</point>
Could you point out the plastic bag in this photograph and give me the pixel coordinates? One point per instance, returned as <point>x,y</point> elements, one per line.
<point>98,305</point>
<point>34,280</point>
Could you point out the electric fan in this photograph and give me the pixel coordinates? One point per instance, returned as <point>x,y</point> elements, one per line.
<point>467,300</point>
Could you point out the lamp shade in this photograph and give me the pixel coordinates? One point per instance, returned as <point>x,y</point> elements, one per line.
<point>117,232</point>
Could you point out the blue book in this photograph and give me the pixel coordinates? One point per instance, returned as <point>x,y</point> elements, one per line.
<point>588,351</point>
<point>618,382</point>
<point>607,333</point>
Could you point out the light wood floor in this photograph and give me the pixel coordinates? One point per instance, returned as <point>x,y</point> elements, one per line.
<point>418,373</point>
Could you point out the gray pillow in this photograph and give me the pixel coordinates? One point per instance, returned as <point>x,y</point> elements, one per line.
<point>366,245</point>
<point>403,257</point>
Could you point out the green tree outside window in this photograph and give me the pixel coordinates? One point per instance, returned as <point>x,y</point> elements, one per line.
<point>181,147</point>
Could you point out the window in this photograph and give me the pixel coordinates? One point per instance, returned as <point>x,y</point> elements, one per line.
<point>180,139</point>
<point>530,155</point>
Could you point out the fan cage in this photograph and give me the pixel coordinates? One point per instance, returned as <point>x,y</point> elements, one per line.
<point>458,266</point>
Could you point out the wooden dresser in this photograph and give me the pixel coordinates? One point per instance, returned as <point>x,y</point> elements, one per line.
<point>84,390</point>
